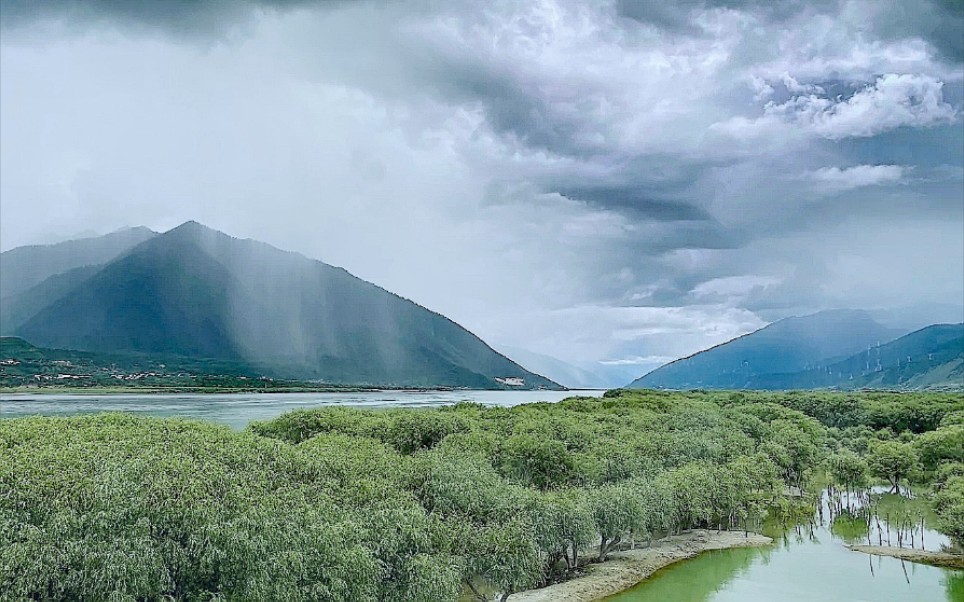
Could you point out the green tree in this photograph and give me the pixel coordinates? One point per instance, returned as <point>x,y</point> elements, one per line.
<point>618,511</point>
<point>949,506</point>
<point>847,470</point>
<point>894,462</point>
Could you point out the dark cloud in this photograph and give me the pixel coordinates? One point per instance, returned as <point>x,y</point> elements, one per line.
<point>939,22</point>
<point>621,181</point>
<point>637,201</point>
<point>209,18</point>
<point>678,16</point>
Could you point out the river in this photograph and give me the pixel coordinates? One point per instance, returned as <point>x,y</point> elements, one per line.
<point>238,409</point>
<point>800,567</point>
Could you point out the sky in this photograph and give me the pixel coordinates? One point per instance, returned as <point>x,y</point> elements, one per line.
<point>612,183</point>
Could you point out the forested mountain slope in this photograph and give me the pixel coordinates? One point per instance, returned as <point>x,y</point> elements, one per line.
<point>197,292</point>
<point>786,346</point>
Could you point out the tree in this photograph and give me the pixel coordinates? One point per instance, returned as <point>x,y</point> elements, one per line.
<point>504,556</point>
<point>618,511</point>
<point>894,462</point>
<point>847,470</point>
<point>949,506</point>
<point>541,461</point>
<point>944,444</point>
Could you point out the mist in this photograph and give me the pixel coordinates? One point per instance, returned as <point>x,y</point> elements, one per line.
<point>606,184</point>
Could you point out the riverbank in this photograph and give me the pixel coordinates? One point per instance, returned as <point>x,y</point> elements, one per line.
<point>625,569</point>
<point>158,390</point>
<point>182,389</point>
<point>940,559</point>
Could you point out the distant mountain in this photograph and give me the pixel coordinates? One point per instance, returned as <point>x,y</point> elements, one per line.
<point>786,346</point>
<point>930,357</point>
<point>196,292</point>
<point>25,267</point>
<point>564,373</point>
<point>20,307</point>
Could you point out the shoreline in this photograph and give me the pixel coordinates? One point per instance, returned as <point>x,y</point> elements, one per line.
<point>172,390</point>
<point>627,568</point>
<point>160,390</point>
<point>938,559</point>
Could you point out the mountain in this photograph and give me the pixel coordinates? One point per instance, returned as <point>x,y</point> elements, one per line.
<point>929,357</point>
<point>564,373</point>
<point>196,292</point>
<point>786,346</point>
<point>20,307</point>
<point>26,267</point>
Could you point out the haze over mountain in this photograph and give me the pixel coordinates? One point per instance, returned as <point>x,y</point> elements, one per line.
<point>609,183</point>
<point>785,346</point>
<point>196,292</point>
<point>24,267</point>
<point>929,357</point>
<point>564,373</point>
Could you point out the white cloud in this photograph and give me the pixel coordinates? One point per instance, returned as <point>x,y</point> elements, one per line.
<point>835,179</point>
<point>732,288</point>
<point>795,87</point>
<point>893,101</point>
<point>639,360</point>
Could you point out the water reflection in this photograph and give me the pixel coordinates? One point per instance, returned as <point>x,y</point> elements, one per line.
<point>876,517</point>
<point>811,562</point>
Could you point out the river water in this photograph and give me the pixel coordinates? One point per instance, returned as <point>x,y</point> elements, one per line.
<point>800,567</point>
<point>238,409</point>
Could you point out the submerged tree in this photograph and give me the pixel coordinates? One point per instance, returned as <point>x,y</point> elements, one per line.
<point>847,470</point>
<point>893,461</point>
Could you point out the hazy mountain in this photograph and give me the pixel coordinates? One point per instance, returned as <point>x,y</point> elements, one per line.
<point>197,292</point>
<point>564,373</point>
<point>25,267</point>
<point>786,346</point>
<point>932,356</point>
<point>20,307</point>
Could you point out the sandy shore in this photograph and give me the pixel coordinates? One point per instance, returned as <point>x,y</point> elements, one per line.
<point>625,569</point>
<point>943,559</point>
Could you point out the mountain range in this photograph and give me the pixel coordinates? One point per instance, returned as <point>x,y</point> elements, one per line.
<point>844,349</point>
<point>196,292</point>
<point>199,294</point>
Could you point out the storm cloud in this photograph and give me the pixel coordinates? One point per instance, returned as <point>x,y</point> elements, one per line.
<point>611,183</point>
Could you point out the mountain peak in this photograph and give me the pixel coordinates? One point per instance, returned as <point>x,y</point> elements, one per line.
<point>196,292</point>
<point>192,226</point>
<point>192,232</point>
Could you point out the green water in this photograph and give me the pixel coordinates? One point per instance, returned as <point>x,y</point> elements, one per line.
<point>801,568</point>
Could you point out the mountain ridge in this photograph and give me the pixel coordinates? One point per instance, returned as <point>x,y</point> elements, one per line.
<point>929,356</point>
<point>932,356</point>
<point>24,267</point>
<point>785,346</point>
<point>200,292</point>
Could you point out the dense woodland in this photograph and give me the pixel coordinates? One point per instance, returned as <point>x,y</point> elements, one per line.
<point>428,505</point>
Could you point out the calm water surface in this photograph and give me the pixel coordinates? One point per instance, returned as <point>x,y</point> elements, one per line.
<point>801,568</point>
<point>238,409</point>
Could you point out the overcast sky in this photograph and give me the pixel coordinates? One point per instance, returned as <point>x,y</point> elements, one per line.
<point>597,181</point>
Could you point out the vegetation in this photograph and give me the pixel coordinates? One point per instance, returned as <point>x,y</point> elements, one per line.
<point>23,365</point>
<point>412,505</point>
